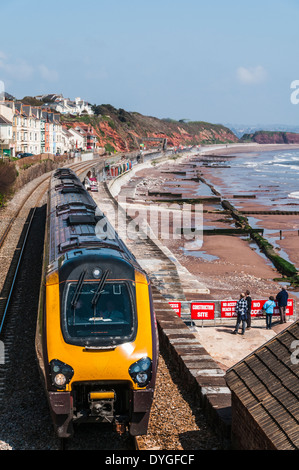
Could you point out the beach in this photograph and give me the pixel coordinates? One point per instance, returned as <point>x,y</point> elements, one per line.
<point>272,208</point>
<point>227,264</point>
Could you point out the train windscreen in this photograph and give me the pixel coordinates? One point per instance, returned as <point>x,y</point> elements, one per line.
<point>98,315</point>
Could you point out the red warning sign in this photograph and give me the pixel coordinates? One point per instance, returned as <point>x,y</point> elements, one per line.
<point>202,311</point>
<point>177,307</point>
<point>228,308</point>
<point>256,308</point>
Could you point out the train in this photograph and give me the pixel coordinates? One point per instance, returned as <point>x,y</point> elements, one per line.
<point>96,338</point>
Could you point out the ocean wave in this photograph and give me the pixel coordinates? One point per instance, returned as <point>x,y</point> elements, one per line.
<point>285,157</point>
<point>252,164</point>
<point>295,168</point>
<point>285,154</point>
<point>294,195</point>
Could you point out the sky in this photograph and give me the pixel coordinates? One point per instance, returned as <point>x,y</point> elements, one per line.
<point>230,61</point>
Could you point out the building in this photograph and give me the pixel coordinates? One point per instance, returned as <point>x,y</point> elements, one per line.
<point>6,131</point>
<point>91,139</point>
<point>34,129</point>
<point>65,105</point>
<point>37,130</point>
<point>66,140</point>
<point>76,140</point>
<point>88,133</point>
<point>265,399</point>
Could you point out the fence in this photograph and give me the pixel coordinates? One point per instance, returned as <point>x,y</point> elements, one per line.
<point>223,310</point>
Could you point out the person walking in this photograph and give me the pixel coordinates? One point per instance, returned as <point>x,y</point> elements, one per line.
<point>241,311</point>
<point>282,299</point>
<point>249,302</point>
<point>269,309</point>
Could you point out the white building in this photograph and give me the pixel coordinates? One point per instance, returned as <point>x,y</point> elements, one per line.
<point>65,105</point>
<point>77,140</point>
<point>66,137</point>
<point>6,132</point>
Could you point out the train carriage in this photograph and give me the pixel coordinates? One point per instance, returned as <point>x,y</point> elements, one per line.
<point>96,334</point>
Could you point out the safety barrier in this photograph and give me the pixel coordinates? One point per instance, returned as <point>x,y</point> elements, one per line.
<point>221,310</point>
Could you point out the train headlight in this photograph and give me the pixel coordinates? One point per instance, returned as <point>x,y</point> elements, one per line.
<point>60,380</point>
<point>141,371</point>
<point>61,373</point>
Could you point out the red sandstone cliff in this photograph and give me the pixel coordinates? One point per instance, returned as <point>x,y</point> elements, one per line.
<point>266,137</point>
<point>122,131</point>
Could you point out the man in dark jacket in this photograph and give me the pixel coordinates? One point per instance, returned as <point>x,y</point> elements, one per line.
<point>282,299</point>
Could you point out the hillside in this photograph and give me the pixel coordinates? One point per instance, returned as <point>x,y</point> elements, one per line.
<point>121,130</point>
<point>271,137</point>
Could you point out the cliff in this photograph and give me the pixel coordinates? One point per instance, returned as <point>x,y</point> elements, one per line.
<point>122,131</point>
<point>268,137</point>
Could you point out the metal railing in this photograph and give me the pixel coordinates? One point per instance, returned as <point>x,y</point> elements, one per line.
<point>209,312</point>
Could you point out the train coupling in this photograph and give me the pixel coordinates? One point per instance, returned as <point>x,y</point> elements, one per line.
<point>102,405</point>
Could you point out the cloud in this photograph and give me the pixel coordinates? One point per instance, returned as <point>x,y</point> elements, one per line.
<point>251,75</point>
<point>47,74</point>
<point>20,69</point>
<point>101,74</point>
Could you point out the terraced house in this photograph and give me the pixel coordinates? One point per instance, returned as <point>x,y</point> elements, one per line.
<point>33,129</point>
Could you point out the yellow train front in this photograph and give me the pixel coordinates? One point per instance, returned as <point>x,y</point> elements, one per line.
<point>96,336</point>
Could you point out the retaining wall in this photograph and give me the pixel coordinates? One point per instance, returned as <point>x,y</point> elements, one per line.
<point>203,376</point>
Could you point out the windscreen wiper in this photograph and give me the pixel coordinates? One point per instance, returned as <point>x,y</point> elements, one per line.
<point>78,289</point>
<point>100,288</point>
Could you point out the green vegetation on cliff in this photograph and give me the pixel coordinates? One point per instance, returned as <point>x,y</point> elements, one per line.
<point>271,137</point>
<point>124,130</point>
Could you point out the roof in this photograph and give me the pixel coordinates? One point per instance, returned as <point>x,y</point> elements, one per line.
<point>74,217</point>
<point>77,133</point>
<point>267,383</point>
<point>3,120</point>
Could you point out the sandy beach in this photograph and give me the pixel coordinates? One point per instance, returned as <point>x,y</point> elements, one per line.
<point>227,264</point>
<point>251,148</point>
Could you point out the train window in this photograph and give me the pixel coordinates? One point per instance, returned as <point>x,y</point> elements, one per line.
<point>90,317</point>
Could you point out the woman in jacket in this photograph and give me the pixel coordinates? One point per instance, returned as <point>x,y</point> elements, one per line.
<point>269,309</point>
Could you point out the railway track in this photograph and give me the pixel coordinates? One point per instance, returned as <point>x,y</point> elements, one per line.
<point>43,181</point>
<point>21,393</point>
<point>22,244</point>
<point>12,245</point>
<point>13,238</point>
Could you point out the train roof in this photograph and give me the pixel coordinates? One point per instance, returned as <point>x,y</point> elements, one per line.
<point>73,218</point>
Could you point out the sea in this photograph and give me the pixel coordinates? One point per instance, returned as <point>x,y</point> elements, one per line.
<point>272,176</point>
